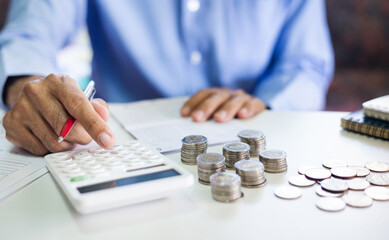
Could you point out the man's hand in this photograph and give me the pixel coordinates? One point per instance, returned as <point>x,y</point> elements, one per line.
<point>40,108</point>
<point>222,104</point>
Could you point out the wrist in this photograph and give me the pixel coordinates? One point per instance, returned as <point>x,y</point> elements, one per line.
<point>14,86</point>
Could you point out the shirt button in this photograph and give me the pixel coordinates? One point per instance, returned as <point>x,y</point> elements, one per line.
<point>193,5</point>
<point>195,57</point>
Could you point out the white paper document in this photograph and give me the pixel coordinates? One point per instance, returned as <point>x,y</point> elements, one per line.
<point>17,167</point>
<point>159,123</point>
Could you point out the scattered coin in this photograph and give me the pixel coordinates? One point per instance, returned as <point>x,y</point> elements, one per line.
<point>331,163</point>
<point>378,193</point>
<point>317,173</point>
<point>358,201</point>
<point>287,192</point>
<point>377,166</point>
<point>323,193</point>
<point>255,138</point>
<point>361,171</point>
<point>358,184</point>
<point>343,172</point>
<point>330,204</point>
<point>380,179</point>
<point>334,185</point>
<point>273,160</point>
<point>303,169</point>
<point>301,181</point>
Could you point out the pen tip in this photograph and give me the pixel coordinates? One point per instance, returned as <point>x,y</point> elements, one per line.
<point>60,139</point>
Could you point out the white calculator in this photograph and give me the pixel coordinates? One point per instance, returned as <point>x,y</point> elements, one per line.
<point>96,179</point>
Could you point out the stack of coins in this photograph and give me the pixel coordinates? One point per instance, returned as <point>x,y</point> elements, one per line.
<point>226,187</point>
<point>208,164</point>
<point>234,152</point>
<point>251,173</point>
<point>256,139</point>
<point>192,147</point>
<point>273,160</point>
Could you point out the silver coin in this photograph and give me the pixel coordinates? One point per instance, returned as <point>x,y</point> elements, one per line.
<point>249,133</point>
<point>377,166</point>
<point>273,154</point>
<point>225,178</point>
<point>194,139</point>
<point>343,172</point>
<point>302,170</point>
<point>380,179</point>
<point>301,181</point>
<point>237,146</point>
<point>287,192</point>
<point>249,165</point>
<point>378,193</point>
<point>331,163</point>
<point>334,185</point>
<point>210,160</point>
<point>358,201</point>
<point>330,204</point>
<point>317,173</point>
<point>358,184</point>
<point>323,193</point>
<point>361,171</point>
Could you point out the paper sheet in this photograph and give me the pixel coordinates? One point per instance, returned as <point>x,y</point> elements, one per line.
<point>17,167</point>
<point>159,124</point>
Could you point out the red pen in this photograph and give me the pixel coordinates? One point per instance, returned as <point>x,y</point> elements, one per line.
<point>89,93</point>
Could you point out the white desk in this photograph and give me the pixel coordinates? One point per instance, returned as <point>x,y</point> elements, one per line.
<point>40,210</point>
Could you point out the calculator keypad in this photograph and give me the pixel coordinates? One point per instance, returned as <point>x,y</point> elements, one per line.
<point>95,162</point>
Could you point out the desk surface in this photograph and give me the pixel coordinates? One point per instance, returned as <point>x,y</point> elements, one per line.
<point>40,210</point>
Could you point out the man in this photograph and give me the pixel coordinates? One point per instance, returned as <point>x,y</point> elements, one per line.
<point>264,53</point>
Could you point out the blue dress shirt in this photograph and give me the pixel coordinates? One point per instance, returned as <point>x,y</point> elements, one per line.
<point>278,50</point>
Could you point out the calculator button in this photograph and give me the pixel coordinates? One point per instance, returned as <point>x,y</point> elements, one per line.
<point>86,161</point>
<point>68,164</point>
<point>60,156</point>
<point>64,160</point>
<point>71,170</point>
<point>123,155</point>
<point>112,162</point>
<point>78,179</point>
<point>131,160</point>
<point>82,155</point>
<point>131,144</point>
<point>105,158</point>
<point>96,170</point>
<point>92,166</point>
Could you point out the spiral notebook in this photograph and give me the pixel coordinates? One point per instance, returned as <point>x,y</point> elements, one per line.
<point>358,122</point>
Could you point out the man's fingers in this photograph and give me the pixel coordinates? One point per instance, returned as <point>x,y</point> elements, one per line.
<point>25,139</point>
<point>206,108</point>
<point>251,108</point>
<point>82,110</point>
<point>101,107</point>
<point>231,108</point>
<point>195,100</point>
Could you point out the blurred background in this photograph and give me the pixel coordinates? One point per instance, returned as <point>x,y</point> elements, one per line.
<point>360,36</point>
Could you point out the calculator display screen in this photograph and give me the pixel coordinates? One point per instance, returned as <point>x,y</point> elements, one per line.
<point>128,181</point>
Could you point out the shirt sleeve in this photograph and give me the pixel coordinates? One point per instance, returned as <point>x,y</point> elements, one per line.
<point>35,31</point>
<point>302,64</point>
